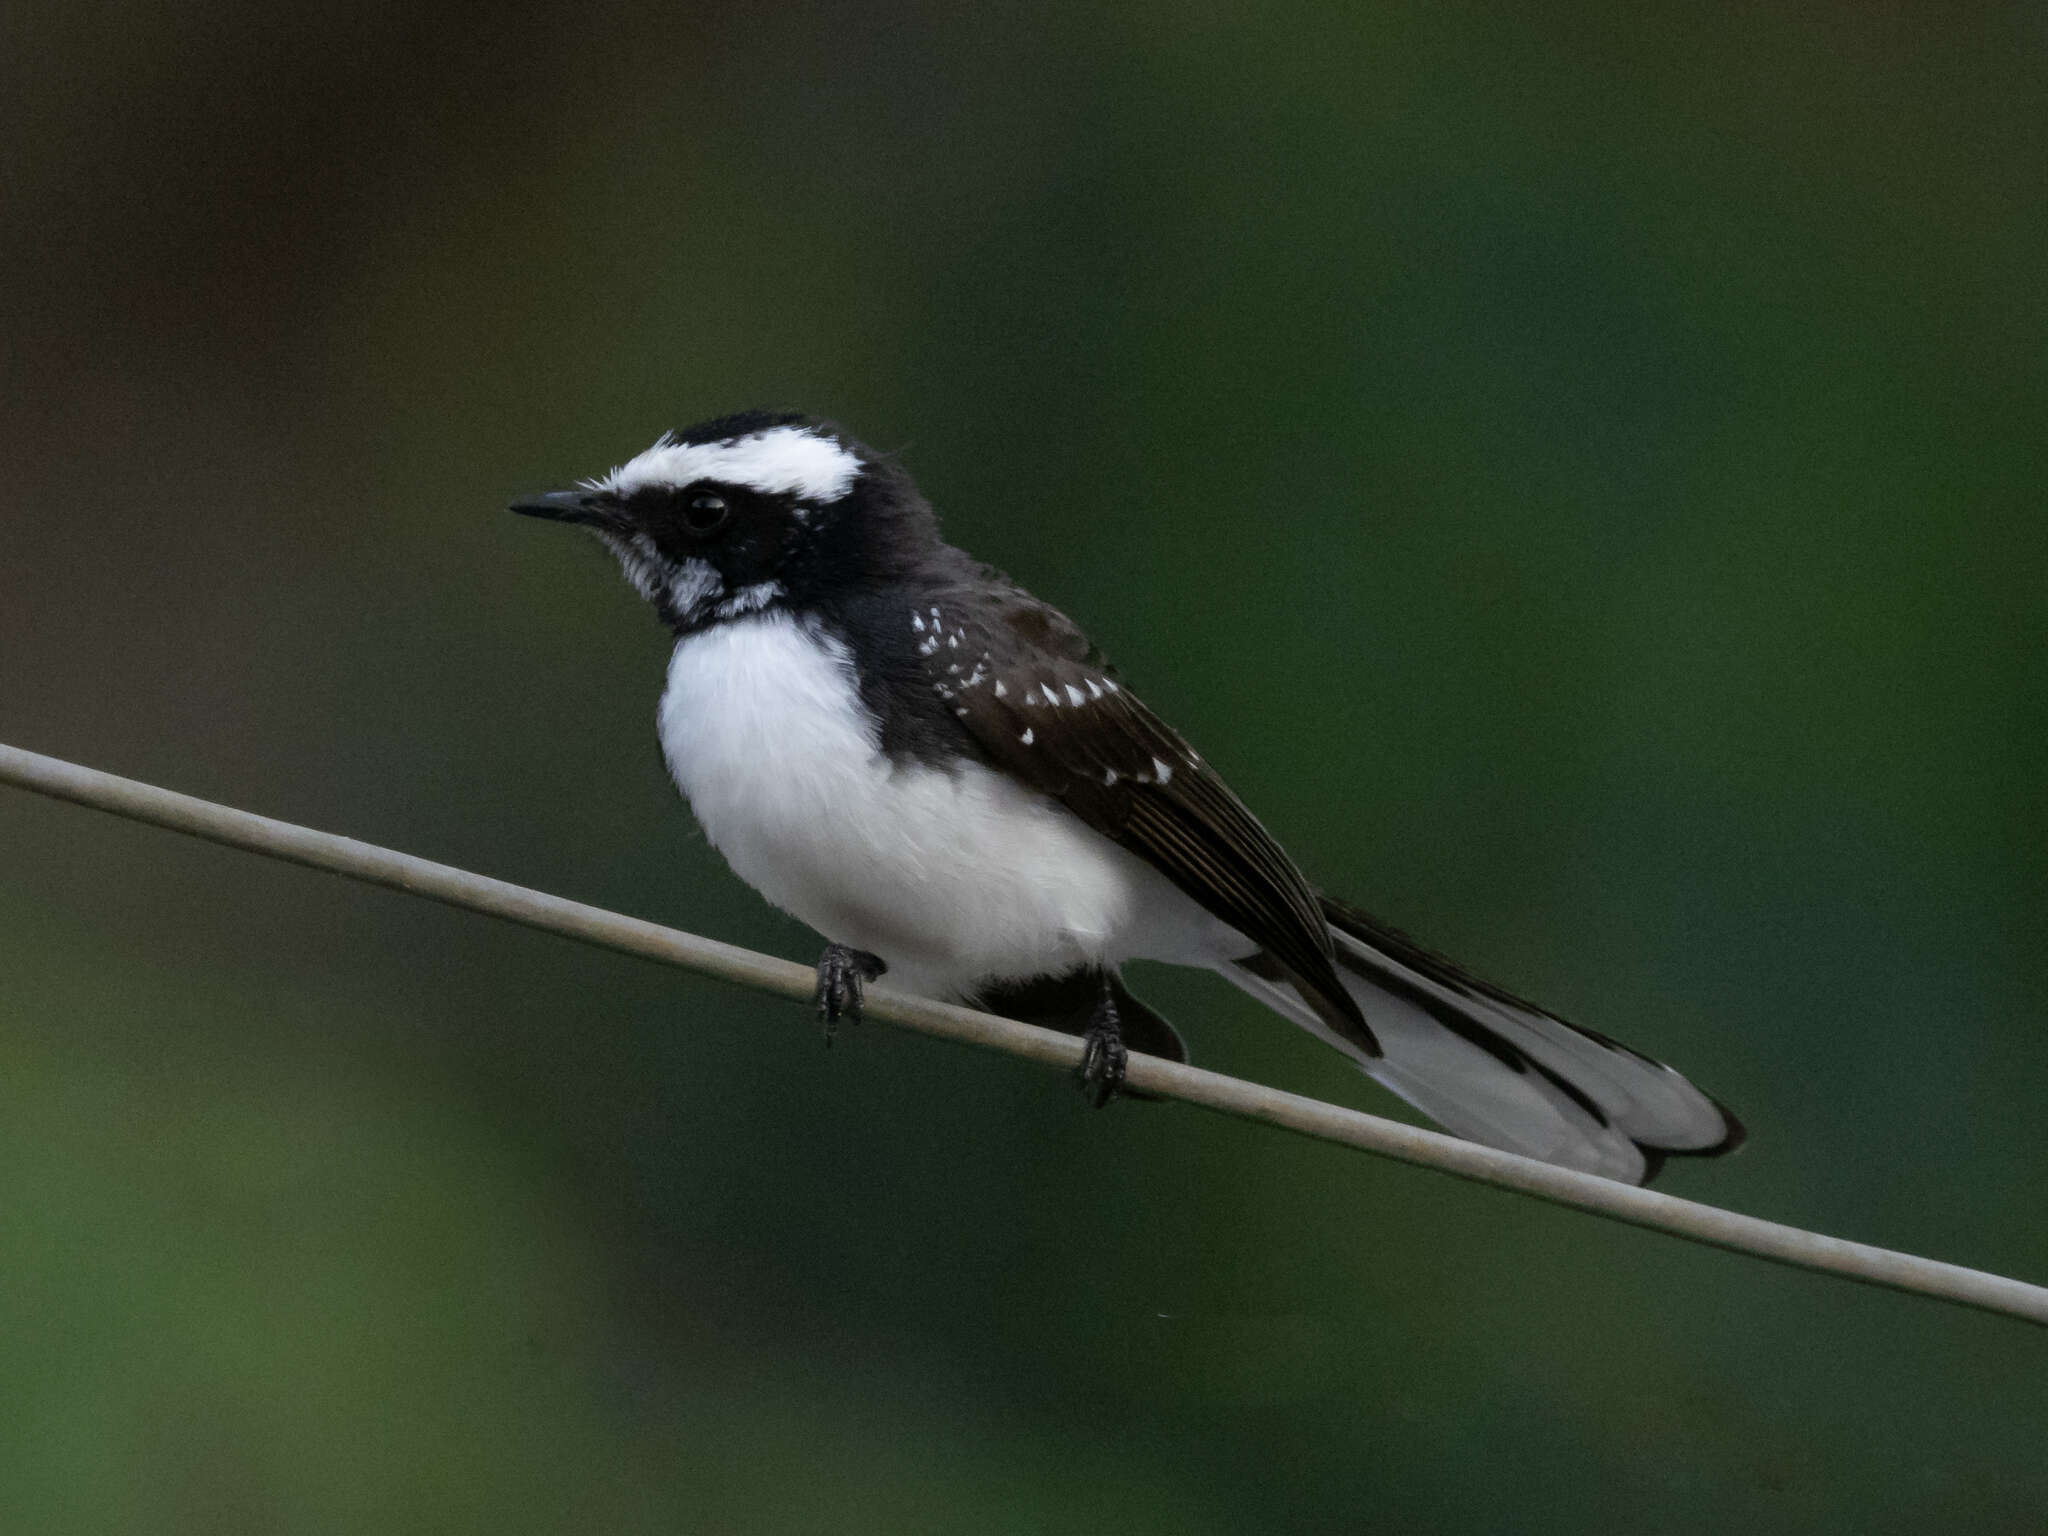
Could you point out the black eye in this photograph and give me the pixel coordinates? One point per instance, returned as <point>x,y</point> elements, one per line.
<point>705,513</point>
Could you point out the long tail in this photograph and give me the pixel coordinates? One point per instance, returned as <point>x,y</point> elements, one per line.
<point>1490,1067</point>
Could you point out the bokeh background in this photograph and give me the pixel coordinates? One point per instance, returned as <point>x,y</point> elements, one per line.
<point>1578,471</point>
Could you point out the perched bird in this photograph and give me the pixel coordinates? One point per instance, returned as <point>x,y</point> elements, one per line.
<point>936,771</point>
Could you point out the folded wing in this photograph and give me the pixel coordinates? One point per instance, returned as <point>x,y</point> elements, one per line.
<point>1040,702</point>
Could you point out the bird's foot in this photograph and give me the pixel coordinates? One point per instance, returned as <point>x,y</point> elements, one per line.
<point>1104,1059</point>
<point>841,971</point>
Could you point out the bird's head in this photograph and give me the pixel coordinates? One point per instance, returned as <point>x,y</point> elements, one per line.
<point>746,513</point>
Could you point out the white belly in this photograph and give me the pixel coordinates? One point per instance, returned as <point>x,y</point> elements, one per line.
<point>952,876</point>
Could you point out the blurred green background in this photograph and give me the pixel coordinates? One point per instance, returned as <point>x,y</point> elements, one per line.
<point>1578,472</point>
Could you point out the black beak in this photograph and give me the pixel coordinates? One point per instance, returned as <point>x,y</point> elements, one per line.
<point>560,506</point>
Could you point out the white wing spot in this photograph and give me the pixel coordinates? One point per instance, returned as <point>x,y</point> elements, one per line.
<point>1163,770</point>
<point>1075,696</point>
<point>1026,738</point>
<point>1001,691</point>
<point>1109,775</point>
<point>917,623</point>
<point>1094,689</point>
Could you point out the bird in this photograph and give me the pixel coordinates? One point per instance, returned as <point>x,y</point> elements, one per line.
<point>939,773</point>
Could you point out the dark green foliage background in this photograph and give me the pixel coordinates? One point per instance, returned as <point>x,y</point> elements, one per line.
<point>1578,471</point>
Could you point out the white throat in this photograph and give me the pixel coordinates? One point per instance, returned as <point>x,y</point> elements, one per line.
<point>692,591</point>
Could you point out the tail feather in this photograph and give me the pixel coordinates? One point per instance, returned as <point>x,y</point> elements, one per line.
<point>1493,1068</point>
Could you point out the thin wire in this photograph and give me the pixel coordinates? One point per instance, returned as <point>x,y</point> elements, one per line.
<point>1164,1079</point>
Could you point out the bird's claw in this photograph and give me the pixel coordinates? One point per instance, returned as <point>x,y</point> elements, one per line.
<point>1104,1059</point>
<point>842,970</point>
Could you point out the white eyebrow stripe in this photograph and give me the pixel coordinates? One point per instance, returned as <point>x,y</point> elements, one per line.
<point>779,461</point>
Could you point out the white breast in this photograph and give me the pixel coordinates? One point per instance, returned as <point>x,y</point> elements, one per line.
<point>952,875</point>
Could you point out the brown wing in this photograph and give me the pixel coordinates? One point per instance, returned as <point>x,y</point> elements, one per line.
<point>1041,703</point>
